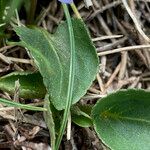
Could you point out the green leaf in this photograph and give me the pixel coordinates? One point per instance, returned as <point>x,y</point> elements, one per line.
<point>71,77</point>
<point>31,84</point>
<point>80,115</point>
<point>19,105</point>
<point>81,118</point>
<point>57,117</point>
<point>122,120</point>
<point>86,108</point>
<point>52,56</point>
<point>7,9</point>
<point>48,116</point>
<point>82,121</point>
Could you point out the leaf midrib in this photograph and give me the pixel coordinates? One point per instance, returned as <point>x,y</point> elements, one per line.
<point>117,116</point>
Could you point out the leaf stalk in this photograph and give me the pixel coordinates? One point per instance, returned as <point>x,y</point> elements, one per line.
<point>74,8</point>
<point>71,77</point>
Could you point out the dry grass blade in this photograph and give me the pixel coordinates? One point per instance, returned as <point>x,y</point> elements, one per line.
<point>136,22</point>
<point>124,49</point>
<point>106,37</point>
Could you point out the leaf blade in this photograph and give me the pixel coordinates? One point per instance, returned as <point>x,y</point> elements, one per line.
<point>31,84</point>
<point>22,106</point>
<point>48,116</point>
<point>121,117</point>
<point>52,55</point>
<point>80,116</point>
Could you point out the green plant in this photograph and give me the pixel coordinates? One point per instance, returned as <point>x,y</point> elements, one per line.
<point>52,56</point>
<point>67,64</point>
<point>27,89</point>
<point>122,119</point>
<point>11,8</point>
<point>63,64</point>
<point>7,10</point>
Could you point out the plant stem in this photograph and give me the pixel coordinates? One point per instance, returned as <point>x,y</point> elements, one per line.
<point>31,12</point>
<point>71,77</point>
<point>75,10</point>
